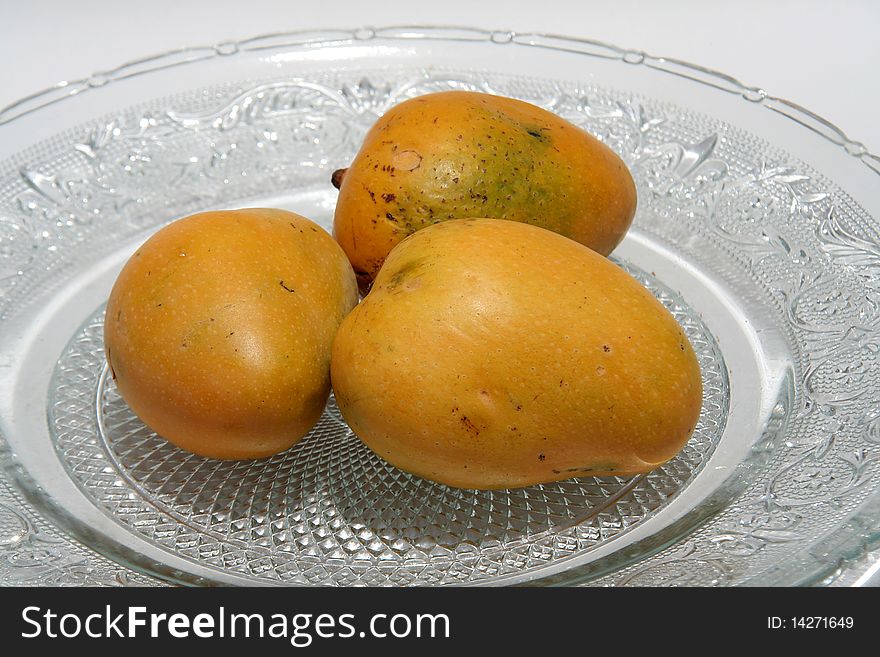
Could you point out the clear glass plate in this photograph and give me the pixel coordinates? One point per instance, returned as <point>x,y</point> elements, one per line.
<point>757,227</point>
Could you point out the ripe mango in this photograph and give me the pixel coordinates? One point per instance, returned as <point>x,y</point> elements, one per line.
<point>218,330</point>
<point>496,354</point>
<point>460,154</point>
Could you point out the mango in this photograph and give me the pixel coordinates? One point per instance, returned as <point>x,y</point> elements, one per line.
<point>496,354</point>
<point>460,154</point>
<point>219,328</point>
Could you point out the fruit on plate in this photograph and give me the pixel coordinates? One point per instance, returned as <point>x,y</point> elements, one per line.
<point>461,154</point>
<point>497,354</point>
<point>219,328</point>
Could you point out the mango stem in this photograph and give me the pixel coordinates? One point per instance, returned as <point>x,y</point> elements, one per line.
<point>337,177</point>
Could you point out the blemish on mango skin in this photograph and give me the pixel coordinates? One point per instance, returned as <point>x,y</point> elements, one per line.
<point>405,274</point>
<point>110,364</point>
<point>470,426</point>
<point>599,467</point>
<point>406,160</point>
<point>539,133</point>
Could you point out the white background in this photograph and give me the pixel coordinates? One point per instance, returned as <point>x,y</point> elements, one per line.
<point>821,54</point>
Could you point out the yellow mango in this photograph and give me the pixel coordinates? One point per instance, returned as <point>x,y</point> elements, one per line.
<point>460,154</point>
<point>218,330</point>
<point>496,354</point>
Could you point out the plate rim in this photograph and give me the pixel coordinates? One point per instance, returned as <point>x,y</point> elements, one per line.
<point>64,89</point>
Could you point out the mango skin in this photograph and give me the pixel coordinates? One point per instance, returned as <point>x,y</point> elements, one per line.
<point>460,154</point>
<point>494,354</point>
<point>218,330</point>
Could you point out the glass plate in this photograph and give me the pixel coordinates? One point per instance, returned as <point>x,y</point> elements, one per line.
<point>757,227</point>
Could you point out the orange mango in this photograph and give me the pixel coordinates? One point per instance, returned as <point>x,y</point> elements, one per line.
<point>496,354</point>
<point>461,154</point>
<point>219,328</point>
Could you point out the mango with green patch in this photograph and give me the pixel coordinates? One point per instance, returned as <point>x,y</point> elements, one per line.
<point>460,154</point>
<point>496,354</point>
<point>218,330</point>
